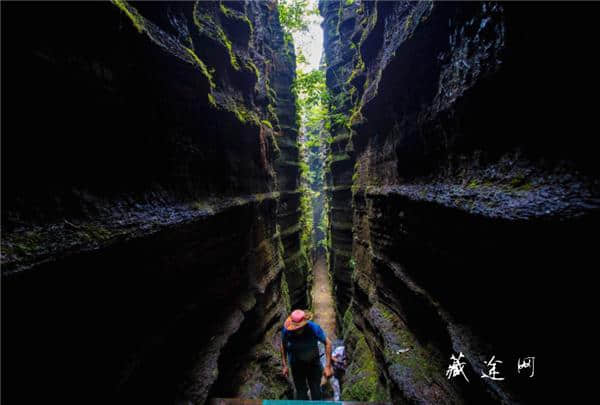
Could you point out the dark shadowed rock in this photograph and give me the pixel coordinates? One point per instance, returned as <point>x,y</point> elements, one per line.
<point>149,195</point>
<point>467,157</point>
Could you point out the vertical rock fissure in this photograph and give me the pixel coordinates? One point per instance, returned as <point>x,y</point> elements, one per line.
<point>175,180</point>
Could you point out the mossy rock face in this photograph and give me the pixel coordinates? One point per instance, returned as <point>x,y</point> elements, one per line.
<point>285,294</point>
<point>361,381</point>
<point>257,370</point>
<point>167,204</point>
<point>238,24</point>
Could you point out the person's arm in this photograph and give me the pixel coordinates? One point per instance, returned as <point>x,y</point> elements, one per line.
<point>320,334</point>
<point>284,370</point>
<point>328,372</point>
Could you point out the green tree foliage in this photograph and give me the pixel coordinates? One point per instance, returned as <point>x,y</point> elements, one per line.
<point>312,106</point>
<point>311,86</point>
<point>312,97</point>
<point>293,16</point>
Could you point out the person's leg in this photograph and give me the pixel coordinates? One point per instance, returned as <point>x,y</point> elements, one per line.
<point>335,384</point>
<point>339,374</point>
<point>299,377</point>
<point>314,374</point>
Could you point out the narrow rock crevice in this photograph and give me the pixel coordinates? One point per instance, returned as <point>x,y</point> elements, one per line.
<point>171,191</point>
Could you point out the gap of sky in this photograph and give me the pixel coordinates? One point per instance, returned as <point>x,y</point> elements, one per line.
<point>310,42</point>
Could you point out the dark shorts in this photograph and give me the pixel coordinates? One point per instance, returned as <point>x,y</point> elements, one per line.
<point>307,376</point>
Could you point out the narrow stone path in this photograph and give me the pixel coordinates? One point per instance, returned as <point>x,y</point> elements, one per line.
<point>322,298</point>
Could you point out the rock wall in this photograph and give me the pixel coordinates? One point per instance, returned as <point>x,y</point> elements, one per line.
<point>150,201</point>
<point>340,160</point>
<point>466,154</point>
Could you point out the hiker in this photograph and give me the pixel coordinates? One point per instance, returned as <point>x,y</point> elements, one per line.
<point>339,368</point>
<point>300,350</point>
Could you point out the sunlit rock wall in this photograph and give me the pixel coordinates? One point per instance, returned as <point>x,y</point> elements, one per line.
<point>149,201</point>
<point>475,188</point>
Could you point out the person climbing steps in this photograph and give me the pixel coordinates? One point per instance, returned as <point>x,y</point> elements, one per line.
<point>300,351</point>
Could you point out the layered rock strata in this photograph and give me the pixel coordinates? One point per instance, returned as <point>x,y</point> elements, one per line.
<point>338,22</point>
<point>473,184</point>
<point>150,201</point>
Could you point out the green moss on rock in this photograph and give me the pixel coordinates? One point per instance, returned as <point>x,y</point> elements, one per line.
<point>361,382</point>
<point>136,19</point>
<point>24,244</point>
<point>202,66</point>
<point>285,293</point>
<point>208,26</point>
<point>211,100</point>
<point>229,13</point>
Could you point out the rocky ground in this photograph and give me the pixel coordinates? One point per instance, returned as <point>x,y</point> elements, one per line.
<point>323,304</point>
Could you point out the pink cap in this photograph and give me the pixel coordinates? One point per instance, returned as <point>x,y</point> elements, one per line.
<point>298,315</point>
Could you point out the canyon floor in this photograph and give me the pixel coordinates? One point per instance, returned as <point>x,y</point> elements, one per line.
<point>322,298</point>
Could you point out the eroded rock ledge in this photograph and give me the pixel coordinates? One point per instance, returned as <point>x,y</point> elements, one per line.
<point>466,156</point>
<point>150,201</point>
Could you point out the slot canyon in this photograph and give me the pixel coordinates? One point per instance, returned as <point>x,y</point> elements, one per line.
<point>168,198</point>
